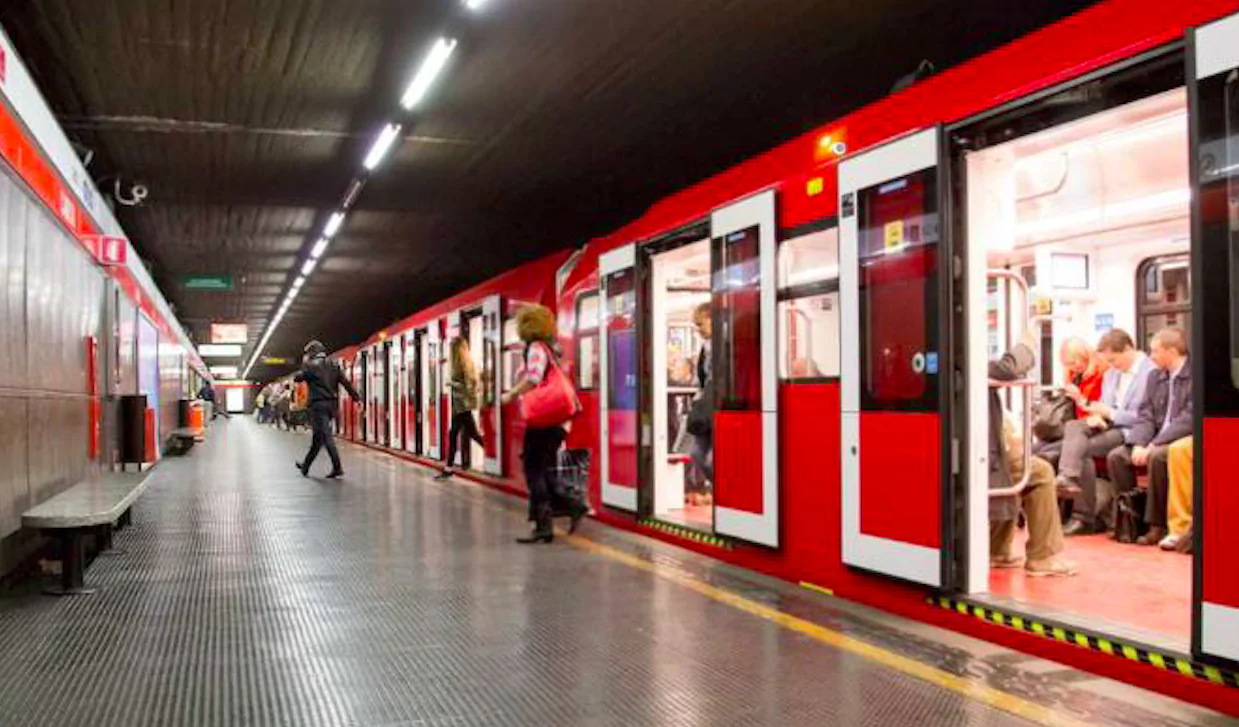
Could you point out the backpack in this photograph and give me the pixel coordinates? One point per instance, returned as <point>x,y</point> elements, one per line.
<point>1129,515</point>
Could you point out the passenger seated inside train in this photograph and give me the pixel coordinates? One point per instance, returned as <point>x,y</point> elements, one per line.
<point>1038,497</point>
<point>1165,418</point>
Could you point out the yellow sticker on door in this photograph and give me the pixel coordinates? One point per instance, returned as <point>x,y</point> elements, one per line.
<point>894,235</point>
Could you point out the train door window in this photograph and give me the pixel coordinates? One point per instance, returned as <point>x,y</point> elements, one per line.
<point>587,341</point>
<point>618,378</point>
<point>472,330</point>
<point>513,354</point>
<point>1163,295</point>
<point>1097,207</point>
<point>679,323</point>
<point>809,306</point>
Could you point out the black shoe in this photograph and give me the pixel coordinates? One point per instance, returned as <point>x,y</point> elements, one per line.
<point>1068,488</point>
<point>305,472</point>
<point>335,474</point>
<point>578,513</point>
<point>443,475</point>
<point>1075,526</point>
<point>537,536</point>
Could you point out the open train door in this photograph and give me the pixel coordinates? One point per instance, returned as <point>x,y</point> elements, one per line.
<point>431,389</point>
<point>1214,110</point>
<point>744,359</point>
<point>893,423</point>
<point>617,378</point>
<point>412,393</point>
<point>490,409</point>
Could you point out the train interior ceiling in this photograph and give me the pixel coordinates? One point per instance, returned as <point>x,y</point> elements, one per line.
<point>1094,216</point>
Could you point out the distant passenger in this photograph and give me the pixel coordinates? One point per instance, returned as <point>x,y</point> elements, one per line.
<point>464,386</point>
<point>207,394</point>
<point>323,379</point>
<point>1039,498</point>
<point>1165,417</point>
<point>701,413</point>
<point>549,396</point>
<point>1107,425</point>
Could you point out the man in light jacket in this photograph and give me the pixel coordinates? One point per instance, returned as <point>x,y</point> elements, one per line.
<point>1108,424</point>
<point>1039,498</point>
<point>1165,417</point>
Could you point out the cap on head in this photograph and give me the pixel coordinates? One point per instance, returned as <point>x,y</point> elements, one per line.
<point>313,348</point>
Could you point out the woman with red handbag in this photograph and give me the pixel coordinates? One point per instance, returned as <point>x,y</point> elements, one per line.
<point>548,401</point>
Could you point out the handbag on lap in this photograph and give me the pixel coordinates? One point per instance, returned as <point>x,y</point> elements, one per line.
<point>1050,419</point>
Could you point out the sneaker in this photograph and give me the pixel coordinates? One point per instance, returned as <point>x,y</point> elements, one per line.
<point>1006,561</point>
<point>1170,542</point>
<point>1049,568</point>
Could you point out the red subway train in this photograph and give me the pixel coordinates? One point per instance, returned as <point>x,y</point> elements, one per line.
<point>852,286</point>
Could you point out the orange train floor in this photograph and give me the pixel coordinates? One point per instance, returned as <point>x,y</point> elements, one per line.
<point>1128,591</point>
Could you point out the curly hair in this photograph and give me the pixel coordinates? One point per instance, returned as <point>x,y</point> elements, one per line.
<point>535,323</point>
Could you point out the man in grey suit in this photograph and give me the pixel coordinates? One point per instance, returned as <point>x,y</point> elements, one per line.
<point>1108,425</point>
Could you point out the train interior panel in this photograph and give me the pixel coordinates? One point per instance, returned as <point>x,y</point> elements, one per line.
<point>679,296</point>
<point>1085,229</point>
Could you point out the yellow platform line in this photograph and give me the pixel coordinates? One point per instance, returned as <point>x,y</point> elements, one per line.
<point>963,686</point>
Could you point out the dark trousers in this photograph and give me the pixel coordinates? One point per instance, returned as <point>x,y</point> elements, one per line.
<point>1123,474</point>
<point>539,457</point>
<point>321,419</point>
<point>463,426</point>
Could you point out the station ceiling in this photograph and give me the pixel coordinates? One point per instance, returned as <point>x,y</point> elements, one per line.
<point>555,121</point>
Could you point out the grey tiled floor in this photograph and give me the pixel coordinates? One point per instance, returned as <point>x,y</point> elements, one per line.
<point>247,595</point>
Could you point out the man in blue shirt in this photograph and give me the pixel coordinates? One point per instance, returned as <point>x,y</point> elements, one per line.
<point>1108,425</point>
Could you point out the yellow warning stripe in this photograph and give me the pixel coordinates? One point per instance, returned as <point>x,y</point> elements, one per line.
<point>1085,640</point>
<point>964,686</point>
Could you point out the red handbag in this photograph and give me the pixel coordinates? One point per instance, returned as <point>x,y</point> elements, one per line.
<point>552,402</point>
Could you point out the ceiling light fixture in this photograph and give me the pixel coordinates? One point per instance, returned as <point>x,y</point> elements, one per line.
<point>300,281</point>
<point>320,247</point>
<point>333,224</point>
<point>308,266</point>
<point>382,145</point>
<point>474,4</point>
<point>429,70</point>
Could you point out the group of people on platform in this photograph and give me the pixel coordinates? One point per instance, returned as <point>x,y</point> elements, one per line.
<point>283,404</point>
<point>1126,414</point>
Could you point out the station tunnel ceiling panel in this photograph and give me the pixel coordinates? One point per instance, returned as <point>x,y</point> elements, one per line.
<point>558,120</point>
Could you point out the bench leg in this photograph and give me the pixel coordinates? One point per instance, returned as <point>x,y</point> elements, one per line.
<point>72,566</point>
<point>103,539</point>
<point>126,519</point>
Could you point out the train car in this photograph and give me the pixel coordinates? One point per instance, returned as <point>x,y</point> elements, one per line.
<point>851,287</point>
<point>402,374</point>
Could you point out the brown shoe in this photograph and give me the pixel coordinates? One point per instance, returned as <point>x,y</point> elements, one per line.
<point>1049,568</point>
<point>1006,561</point>
<point>1153,537</point>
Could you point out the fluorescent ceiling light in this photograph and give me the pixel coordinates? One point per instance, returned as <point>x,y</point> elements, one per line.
<point>300,281</point>
<point>320,247</point>
<point>333,224</point>
<point>308,266</point>
<point>381,146</point>
<point>219,350</point>
<point>826,272</point>
<point>474,4</point>
<point>429,70</point>
<point>1151,203</point>
<point>229,371</point>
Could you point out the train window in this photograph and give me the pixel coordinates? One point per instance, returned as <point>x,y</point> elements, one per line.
<point>1163,295</point>
<point>899,233</point>
<point>737,321</point>
<point>809,306</point>
<point>513,354</point>
<point>587,340</point>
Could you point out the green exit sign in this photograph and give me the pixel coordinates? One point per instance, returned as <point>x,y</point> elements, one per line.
<point>207,282</point>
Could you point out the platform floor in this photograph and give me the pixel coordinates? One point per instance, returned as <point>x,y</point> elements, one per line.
<point>247,595</point>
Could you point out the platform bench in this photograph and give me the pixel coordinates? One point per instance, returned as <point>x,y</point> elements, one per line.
<point>182,440</point>
<point>95,505</point>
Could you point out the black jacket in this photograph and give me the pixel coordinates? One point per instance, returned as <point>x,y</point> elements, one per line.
<point>1154,427</point>
<point>324,378</point>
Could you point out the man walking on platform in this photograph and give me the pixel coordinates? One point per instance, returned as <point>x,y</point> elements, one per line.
<point>323,379</point>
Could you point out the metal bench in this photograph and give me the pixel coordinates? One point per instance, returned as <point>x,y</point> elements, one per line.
<point>182,440</point>
<point>94,505</point>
